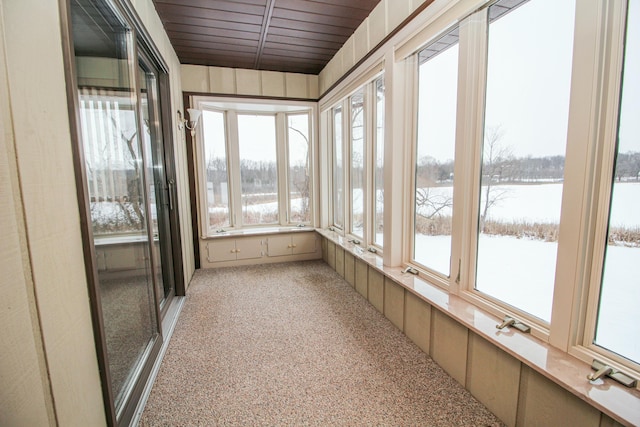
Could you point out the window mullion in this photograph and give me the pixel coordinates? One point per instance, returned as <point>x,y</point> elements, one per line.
<point>469,135</point>
<point>233,148</point>
<point>282,167</point>
<point>201,167</point>
<point>369,164</point>
<point>346,160</point>
<point>584,159</point>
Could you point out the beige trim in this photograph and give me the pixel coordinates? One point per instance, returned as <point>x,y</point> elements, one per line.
<point>344,91</point>
<point>435,21</point>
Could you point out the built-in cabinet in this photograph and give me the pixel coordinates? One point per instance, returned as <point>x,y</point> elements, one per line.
<point>266,248</point>
<point>291,244</point>
<point>119,257</point>
<point>234,249</point>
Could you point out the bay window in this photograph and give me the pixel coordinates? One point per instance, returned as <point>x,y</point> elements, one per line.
<point>255,162</point>
<point>298,137</point>
<point>258,168</point>
<point>217,178</point>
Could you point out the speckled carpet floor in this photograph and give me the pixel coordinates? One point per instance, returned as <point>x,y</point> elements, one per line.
<point>295,345</point>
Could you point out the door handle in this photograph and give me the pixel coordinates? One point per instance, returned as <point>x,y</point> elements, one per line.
<point>172,183</point>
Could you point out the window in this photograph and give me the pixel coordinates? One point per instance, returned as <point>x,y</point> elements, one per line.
<point>299,168</point>
<point>522,166</point>
<point>113,161</point>
<point>618,320</point>
<point>522,191</point>
<point>378,169</point>
<point>255,161</point>
<point>358,146</point>
<point>258,169</point>
<point>217,178</point>
<point>338,170</point>
<point>436,140</point>
<point>357,173</point>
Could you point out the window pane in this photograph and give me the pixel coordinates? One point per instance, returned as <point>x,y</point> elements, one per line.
<point>618,325</point>
<point>378,176</point>
<point>338,171</point>
<point>438,88</point>
<point>258,169</point>
<point>357,163</point>
<point>299,179</point>
<point>527,104</point>
<point>217,179</point>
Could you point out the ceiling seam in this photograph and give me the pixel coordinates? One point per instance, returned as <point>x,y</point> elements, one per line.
<point>264,31</point>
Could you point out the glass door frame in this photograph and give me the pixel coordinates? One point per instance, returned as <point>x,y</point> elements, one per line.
<point>139,42</point>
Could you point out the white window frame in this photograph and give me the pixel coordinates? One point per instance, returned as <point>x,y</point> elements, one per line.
<point>372,161</point>
<point>338,224</point>
<point>231,107</point>
<point>369,132</point>
<point>366,136</point>
<point>413,76</point>
<point>287,165</point>
<point>604,133</point>
<point>595,88</point>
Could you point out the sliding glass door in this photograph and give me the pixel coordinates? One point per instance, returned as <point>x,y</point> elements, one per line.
<point>159,188</point>
<point>127,194</point>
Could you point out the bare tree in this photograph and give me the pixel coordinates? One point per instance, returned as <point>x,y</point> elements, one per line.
<point>429,203</point>
<point>432,204</point>
<point>496,159</point>
<point>303,185</point>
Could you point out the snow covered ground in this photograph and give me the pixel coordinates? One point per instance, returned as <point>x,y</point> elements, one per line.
<point>542,202</point>
<point>521,272</point>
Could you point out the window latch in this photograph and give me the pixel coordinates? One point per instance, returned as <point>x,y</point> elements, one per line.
<point>354,241</point>
<point>510,321</point>
<point>410,270</point>
<point>604,370</point>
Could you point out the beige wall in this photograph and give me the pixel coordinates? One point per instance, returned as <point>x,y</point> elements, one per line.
<point>238,81</point>
<point>382,20</point>
<point>515,393</point>
<point>48,369</point>
<point>24,395</point>
<point>57,349</point>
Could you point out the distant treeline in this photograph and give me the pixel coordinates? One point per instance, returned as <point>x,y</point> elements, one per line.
<point>524,169</point>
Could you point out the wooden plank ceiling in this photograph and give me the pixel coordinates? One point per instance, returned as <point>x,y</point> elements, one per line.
<point>298,36</point>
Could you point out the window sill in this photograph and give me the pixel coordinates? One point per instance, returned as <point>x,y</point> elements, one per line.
<point>121,239</point>
<point>620,403</point>
<point>259,231</point>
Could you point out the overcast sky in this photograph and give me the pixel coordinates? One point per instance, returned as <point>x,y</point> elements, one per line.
<point>528,85</point>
